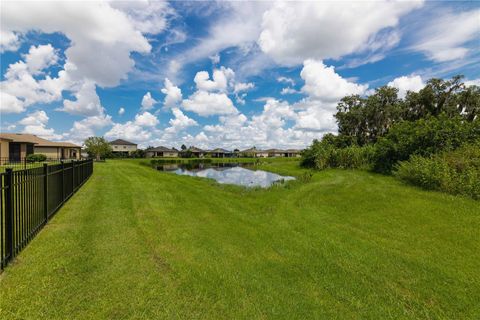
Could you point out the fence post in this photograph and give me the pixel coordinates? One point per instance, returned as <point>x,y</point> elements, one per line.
<point>45,191</point>
<point>63,180</point>
<point>73,176</point>
<point>9,212</point>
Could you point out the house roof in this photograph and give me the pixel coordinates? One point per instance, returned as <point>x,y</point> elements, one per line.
<point>122,142</point>
<point>253,150</point>
<point>37,141</point>
<point>220,150</point>
<point>162,149</point>
<point>275,151</point>
<point>293,150</point>
<point>195,149</point>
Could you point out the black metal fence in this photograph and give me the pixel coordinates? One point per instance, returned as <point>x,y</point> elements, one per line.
<point>24,163</point>
<point>30,197</point>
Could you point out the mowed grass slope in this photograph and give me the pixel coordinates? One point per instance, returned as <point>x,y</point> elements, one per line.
<point>135,243</point>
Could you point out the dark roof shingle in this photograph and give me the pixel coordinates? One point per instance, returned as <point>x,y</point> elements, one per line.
<point>122,142</point>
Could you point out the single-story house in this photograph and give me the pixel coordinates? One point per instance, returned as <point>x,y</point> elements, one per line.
<point>254,153</point>
<point>289,153</point>
<point>124,147</point>
<point>220,153</point>
<point>194,151</point>
<point>161,152</point>
<point>275,153</point>
<point>17,146</point>
<point>271,153</point>
<point>293,153</point>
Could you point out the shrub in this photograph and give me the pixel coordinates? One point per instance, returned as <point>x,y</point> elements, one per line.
<point>322,155</point>
<point>456,172</point>
<point>423,137</point>
<point>36,157</point>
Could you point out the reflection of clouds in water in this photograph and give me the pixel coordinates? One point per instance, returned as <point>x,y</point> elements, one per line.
<point>238,176</point>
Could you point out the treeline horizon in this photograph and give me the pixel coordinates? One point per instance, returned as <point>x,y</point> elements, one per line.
<point>433,134</point>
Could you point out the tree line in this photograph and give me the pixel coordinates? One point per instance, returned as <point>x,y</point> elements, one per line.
<point>383,132</point>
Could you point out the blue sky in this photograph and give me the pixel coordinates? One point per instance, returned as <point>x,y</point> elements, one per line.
<point>227,74</point>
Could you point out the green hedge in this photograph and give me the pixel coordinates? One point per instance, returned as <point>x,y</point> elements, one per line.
<point>455,172</point>
<point>36,157</point>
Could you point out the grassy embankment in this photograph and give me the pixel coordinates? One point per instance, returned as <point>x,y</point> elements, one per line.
<point>141,244</point>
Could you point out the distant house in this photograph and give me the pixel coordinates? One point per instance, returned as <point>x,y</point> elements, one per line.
<point>271,153</point>
<point>254,153</point>
<point>220,153</point>
<point>124,147</point>
<point>194,152</point>
<point>293,153</point>
<point>161,152</point>
<point>289,153</point>
<point>17,146</point>
<point>275,153</point>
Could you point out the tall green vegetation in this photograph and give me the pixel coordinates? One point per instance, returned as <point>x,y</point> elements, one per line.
<point>365,120</point>
<point>381,130</point>
<point>423,137</point>
<point>456,172</point>
<point>97,147</point>
<point>327,154</point>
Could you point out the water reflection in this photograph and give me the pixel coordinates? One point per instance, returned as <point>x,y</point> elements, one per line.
<point>227,173</point>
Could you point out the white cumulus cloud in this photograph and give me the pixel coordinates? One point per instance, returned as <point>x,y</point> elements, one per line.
<point>86,103</point>
<point>146,119</point>
<point>148,102</point>
<point>87,127</point>
<point>40,57</point>
<point>219,82</point>
<point>91,24</point>
<point>20,88</point>
<point>9,41</point>
<point>207,103</point>
<point>407,83</point>
<point>36,123</point>
<point>323,83</point>
<point>295,31</point>
<point>180,122</point>
<point>173,94</point>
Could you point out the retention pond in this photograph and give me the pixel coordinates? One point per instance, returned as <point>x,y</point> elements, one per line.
<point>227,173</point>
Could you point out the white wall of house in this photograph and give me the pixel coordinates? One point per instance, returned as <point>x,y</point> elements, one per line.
<point>49,152</point>
<point>124,148</point>
<point>261,154</point>
<point>150,154</point>
<point>58,152</point>
<point>170,154</point>
<point>4,150</point>
<point>276,155</point>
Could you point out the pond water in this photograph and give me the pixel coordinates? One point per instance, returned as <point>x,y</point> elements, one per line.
<point>228,173</point>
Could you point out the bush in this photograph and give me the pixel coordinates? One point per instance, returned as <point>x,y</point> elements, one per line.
<point>322,155</point>
<point>139,153</point>
<point>455,172</point>
<point>423,137</point>
<point>36,158</point>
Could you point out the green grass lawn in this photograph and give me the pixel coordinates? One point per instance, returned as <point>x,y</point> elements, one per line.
<point>135,243</point>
